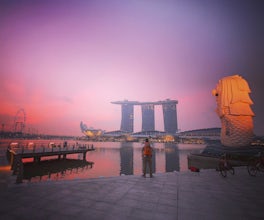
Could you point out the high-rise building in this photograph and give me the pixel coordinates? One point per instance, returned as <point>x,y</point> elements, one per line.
<point>170,116</point>
<point>127,112</point>
<point>148,120</point>
<point>148,115</point>
<point>127,121</point>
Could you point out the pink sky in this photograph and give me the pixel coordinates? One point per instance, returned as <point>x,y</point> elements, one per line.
<point>64,61</point>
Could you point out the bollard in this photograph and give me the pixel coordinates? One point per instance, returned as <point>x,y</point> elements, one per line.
<point>84,156</point>
<point>12,160</point>
<point>37,159</point>
<point>14,164</point>
<point>20,173</point>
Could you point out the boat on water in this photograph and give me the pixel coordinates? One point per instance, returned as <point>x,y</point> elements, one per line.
<point>90,132</point>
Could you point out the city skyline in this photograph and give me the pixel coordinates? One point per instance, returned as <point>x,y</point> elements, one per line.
<point>64,62</point>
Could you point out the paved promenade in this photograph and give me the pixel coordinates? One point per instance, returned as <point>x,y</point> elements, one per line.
<point>177,196</point>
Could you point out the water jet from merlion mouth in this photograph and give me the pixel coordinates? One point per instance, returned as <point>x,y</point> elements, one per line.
<point>234,110</point>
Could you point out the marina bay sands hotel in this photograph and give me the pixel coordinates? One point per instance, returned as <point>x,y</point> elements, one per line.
<point>148,116</point>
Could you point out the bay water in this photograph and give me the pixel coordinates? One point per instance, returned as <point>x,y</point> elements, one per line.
<point>108,159</point>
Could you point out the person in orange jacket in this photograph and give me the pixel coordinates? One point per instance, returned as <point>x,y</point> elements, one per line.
<point>147,158</point>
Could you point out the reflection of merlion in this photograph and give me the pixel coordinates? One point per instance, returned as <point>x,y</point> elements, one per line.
<point>233,108</point>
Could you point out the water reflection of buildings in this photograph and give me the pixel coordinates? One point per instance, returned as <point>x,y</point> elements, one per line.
<point>167,157</point>
<point>129,155</point>
<point>126,158</point>
<point>172,158</point>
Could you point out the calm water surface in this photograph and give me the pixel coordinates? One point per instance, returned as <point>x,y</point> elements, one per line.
<point>108,159</point>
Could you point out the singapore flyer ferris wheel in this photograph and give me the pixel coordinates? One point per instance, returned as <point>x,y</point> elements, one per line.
<point>20,121</point>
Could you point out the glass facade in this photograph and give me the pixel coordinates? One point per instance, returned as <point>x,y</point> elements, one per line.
<point>170,117</point>
<point>148,119</point>
<point>127,121</point>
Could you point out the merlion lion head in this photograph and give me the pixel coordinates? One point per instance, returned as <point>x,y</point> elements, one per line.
<point>234,110</point>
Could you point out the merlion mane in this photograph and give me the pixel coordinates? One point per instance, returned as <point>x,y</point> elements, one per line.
<point>234,111</point>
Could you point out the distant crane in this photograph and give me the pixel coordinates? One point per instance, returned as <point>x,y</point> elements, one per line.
<point>20,121</point>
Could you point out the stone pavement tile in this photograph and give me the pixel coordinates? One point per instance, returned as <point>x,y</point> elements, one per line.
<point>173,195</point>
<point>102,206</point>
<point>190,213</point>
<point>167,196</point>
<point>148,197</point>
<point>132,203</point>
<point>167,209</point>
<point>168,202</point>
<point>118,212</point>
<point>163,216</point>
<point>140,214</point>
<point>117,216</point>
<point>113,198</point>
<point>227,194</point>
<point>85,203</point>
<point>93,214</point>
<point>134,194</point>
<point>8,216</point>
<point>73,210</point>
<point>26,212</point>
<point>56,207</point>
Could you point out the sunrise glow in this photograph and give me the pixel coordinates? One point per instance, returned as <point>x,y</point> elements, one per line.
<point>64,62</point>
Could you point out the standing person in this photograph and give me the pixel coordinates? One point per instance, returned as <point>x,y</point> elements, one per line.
<point>147,158</point>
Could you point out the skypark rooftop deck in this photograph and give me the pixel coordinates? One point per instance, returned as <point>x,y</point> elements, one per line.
<point>167,101</point>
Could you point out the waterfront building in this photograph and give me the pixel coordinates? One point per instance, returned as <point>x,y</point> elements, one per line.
<point>127,115</point>
<point>170,116</point>
<point>148,118</point>
<point>90,132</point>
<point>127,121</point>
<point>148,115</point>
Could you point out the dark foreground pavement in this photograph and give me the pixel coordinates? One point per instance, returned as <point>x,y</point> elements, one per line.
<point>184,195</point>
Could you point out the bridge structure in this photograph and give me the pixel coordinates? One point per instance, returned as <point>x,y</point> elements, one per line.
<point>148,115</point>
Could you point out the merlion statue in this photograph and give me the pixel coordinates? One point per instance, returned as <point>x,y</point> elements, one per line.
<point>233,108</point>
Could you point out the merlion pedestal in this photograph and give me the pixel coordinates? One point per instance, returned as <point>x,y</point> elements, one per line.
<point>234,110</point>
